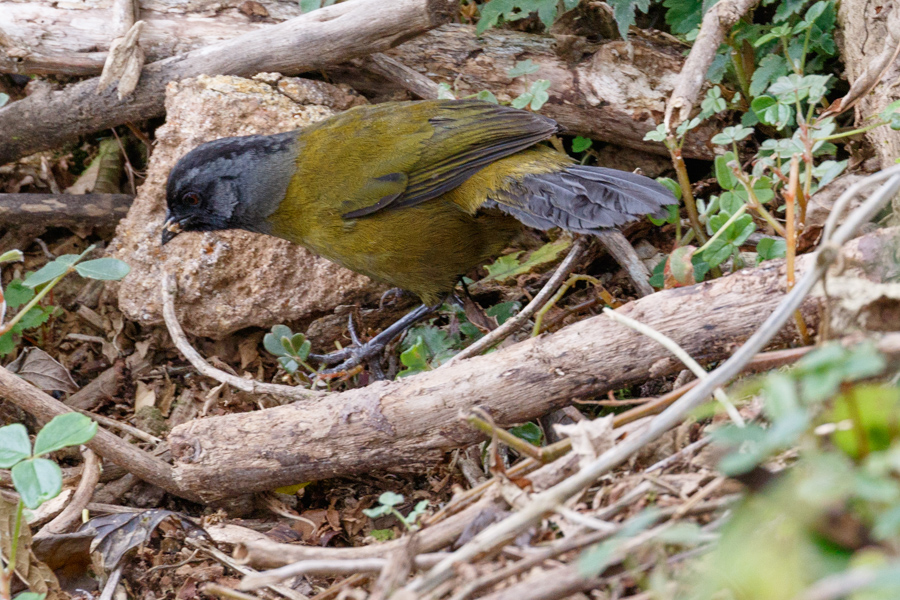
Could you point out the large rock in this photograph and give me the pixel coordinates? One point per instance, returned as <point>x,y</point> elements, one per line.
<point>232,279</point>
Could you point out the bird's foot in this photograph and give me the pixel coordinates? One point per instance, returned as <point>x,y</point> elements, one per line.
<point>348,359</point>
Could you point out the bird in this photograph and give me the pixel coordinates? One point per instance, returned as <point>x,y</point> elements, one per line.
<point>414,194</point>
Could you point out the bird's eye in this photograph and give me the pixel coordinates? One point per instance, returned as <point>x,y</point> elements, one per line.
<point>192,198</point>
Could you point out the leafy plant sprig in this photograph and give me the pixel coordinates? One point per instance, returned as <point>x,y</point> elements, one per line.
<point>35,478</point>
<point>38,284</point>
<point>387,504</point>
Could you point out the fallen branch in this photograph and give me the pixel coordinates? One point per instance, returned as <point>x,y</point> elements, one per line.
<point>314,40</point>
<point>253,386</point>
<point>62,210</point>
<point>717,22</point>
<point>264,554</point>
<point>44,407</point>
<point>414,420</point>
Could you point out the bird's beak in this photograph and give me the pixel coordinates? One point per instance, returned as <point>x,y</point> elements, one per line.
<point>171,228</point>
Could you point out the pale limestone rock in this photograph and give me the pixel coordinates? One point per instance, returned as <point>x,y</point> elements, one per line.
<point>232,279</point>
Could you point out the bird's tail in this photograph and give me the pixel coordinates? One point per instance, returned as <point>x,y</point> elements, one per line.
<point>582,199</point>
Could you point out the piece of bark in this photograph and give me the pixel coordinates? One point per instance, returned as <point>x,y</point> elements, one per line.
<point>326,36</point>
<point>63,210</point>
<point>392,423</point>
<point>869,39</point>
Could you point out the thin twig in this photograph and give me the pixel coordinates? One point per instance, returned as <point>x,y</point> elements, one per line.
<point>499,533</point>
<point>243,569</point>
<point>142,464</point>
<point>670,345</point>
<point>328,567</point>
<point>245,385</point>
<point>516,322</point>
<point>717,22</point>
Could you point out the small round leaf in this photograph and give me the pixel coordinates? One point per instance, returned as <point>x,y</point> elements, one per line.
<point>106,269</point>
<point>37,480</point>
<point>69,429</point>
<point>14,445</point>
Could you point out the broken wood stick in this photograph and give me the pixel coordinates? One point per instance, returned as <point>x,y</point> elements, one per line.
<point>63,210</point>
<point>414,420</point>
<point>314,40</point>
<point>133,459</point>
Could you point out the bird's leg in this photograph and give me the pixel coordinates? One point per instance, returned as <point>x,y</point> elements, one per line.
<point>359,353</point>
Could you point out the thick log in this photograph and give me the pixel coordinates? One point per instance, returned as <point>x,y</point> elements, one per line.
<point>312,41</point>
<point>413,419</point>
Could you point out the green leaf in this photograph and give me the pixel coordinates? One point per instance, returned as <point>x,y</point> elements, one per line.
<point>445,92</point>
<point>623,13</point>
<point>17,294</point>
<point>4,98</point>
<point>523,67</point>
<point>487,96</point>
<point>69,429</point>
<point>37,480</point>
<point>415,359</point>
<point>529,432</point>
<point>503,311</point>
<point>884,115</point>
<point>11,256</point>
<point>730,135</point>
<point>680,267</point>
<point>30,596</point>
<point>580,144</point>
<point>657,135</point>
<point>105,269</point>
<point>37,316</point>
<point>826,171</point>
<point>522,100</point>
<point>390,499</point>
<point>272,341</point>
<point>509,266</point>
<point>7,343</point>
<point>377,511</point>
<point>50,271</point>
<point>417,511</point>
<point>672,216</point>
<point>770,248</point>
<point>380,535</point>
<point>657,278</point>
<point>300,346</point>
<point>288,364</point>
<point>874,409</point>
<point>538,92</point>
<point>672,185</point>
<point>761,104</point>
<point>14,445</point>
<point>684,16</point>
<point>724,174</point>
